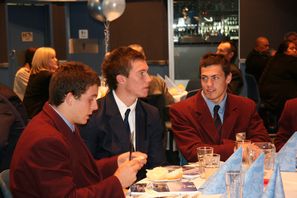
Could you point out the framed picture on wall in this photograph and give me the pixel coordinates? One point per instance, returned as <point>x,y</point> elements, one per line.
<point>27,36</point>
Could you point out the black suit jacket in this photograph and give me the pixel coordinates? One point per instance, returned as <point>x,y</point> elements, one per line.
<point>105,133</point>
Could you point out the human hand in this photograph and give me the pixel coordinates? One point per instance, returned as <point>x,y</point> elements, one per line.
<point>142,157</point>
<point>126,173</point>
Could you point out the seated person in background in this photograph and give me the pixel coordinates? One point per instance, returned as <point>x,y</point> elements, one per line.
<point>44,63</point>
<point>291,36</point>
<point>51,159</point>
<point>287,123</point>
<point>22,75</point>
<point>13,119</point>
<point>213,116</point>
<point>229,50</point>
<point>278,83</point>
<point>123,122</point>
<point>157,85</point>
<point>257,59</point>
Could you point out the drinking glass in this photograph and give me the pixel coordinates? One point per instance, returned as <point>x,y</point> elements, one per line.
<point>240,136</point>
<point>234,184</point>
<point>211,165</point>
<point>202,151</point>
<point>246,145</point>
<point>269,151</point>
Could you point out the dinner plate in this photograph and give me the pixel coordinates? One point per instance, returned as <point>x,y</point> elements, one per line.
<point>163,180</point>
<point>191,173</point>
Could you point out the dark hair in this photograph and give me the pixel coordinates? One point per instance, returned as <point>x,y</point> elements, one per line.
<point>74,77</point>
<point>283,46</point>
<point>290,34</point>
<point>215,59</point>
<point>232,49</point>
<point>29,55</point>
<point>119,62</point>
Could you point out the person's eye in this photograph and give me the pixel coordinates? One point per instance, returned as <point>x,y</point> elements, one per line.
<point>204,78</point>
<point>215,78</point>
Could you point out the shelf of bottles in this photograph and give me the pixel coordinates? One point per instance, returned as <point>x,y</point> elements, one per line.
<point>205,21</point>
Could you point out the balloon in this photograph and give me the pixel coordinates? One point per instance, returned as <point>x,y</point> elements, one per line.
<point>113,9</point>
<point>96,9</point>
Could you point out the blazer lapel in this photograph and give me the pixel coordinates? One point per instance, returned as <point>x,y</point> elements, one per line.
<point>141,127</point>
<point>116,124</point>
<point>230,118</point>
<point>204,117</point>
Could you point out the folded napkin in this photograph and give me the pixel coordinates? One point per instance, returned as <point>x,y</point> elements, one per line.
<point>216,183</point>
<point>254,179</point>
<point>286,157</point>
<point>275,186</point>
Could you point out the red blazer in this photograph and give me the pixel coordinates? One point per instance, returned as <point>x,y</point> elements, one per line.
<point>287,123</point>
<point>52,161</point>
<point>193,125</point>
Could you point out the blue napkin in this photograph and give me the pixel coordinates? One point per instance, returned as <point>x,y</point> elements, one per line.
<point>216,183</point>
<point>275,186</point>
<point>286,157</point>
<point>254,179</point>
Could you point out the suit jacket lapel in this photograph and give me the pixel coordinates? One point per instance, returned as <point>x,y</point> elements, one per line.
<point>230,117</point>
<point>116,123</point>
<point>141,128</point>
<point>204,117</point>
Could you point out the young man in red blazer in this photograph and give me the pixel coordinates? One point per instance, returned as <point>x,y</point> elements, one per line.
<point>287,123</point>
<point>193,122</point>
<point>51,159</point>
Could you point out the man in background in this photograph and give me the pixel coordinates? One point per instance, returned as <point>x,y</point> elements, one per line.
<point>229,50</point>
<point>257,59</point>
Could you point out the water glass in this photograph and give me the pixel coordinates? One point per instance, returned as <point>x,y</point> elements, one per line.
<point>269,151</point>
<point>234,184</point>
<point>211,165</point>
<point>202,151</point>
<point>246,151</point>
<point>240,136</point>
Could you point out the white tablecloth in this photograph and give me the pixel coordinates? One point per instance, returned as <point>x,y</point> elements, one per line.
<point>290,184</point>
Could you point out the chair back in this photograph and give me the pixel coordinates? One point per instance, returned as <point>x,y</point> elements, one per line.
<point>4,184</point>
<point>252,88</point>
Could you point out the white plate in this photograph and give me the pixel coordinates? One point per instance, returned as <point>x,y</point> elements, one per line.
<point>163,180</point>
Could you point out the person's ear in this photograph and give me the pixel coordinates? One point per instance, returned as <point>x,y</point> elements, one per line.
<point>121,79</point>
<point>69,98</point>
<point>229,78</point>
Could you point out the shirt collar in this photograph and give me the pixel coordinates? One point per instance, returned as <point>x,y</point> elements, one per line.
<point>71,126</point>
<point>211,105</point>
<point>121,105</point>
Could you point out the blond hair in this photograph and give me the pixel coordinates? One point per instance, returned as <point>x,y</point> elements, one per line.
<point>41,59</point>
<point>138,48</point>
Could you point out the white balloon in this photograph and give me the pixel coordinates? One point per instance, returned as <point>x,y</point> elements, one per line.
<point>113,9</point>
<point>96,9</point>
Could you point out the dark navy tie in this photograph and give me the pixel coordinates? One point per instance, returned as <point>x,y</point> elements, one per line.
<point>127,126</point>
<point>216,117</point>
<point>126,121</point>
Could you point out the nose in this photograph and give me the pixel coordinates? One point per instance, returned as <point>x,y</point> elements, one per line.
<point>94,105</point>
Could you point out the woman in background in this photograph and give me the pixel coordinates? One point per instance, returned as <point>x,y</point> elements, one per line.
<point>44,63</point>
<point>22,75</point>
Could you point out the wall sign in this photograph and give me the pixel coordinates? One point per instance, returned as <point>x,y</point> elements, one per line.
<point>27,36</point>
<point>83,34</point>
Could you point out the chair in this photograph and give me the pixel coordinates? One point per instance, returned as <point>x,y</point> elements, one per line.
<point>252,88</point>
<point>269,118</point>
<point>4,184</point>
<point>193,87</point>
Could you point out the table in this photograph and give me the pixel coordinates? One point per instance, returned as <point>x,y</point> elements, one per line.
<point>289,182</point>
